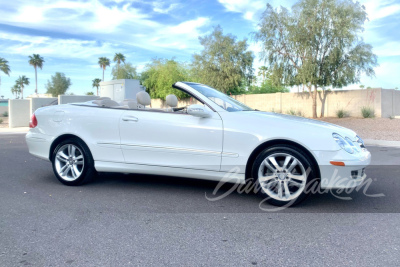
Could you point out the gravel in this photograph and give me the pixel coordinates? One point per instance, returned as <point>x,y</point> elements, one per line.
<point>376,128</point>
<point>4,124</point>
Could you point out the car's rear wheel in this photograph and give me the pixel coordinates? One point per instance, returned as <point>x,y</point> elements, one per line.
<point>72,162</point>
<point>283,174</point>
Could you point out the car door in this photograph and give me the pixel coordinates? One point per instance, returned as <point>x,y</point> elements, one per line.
<point>171,139</point>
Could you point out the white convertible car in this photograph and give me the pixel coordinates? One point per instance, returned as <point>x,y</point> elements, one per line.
<point>215,138</point>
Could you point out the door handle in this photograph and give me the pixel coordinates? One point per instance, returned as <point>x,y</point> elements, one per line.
<point>130,118</point>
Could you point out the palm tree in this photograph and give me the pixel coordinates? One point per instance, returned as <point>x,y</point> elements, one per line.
<point>119,57</point>
<point>36,61</point>
<point>16,89</point>
<point>104,62</point>
<point>22,81</point>
<point>4,67</point>
<point>262,71</point>
<point>96,83</point>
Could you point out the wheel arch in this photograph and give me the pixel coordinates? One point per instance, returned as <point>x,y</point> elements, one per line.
<point>61,138</point>
<point>269,143</point>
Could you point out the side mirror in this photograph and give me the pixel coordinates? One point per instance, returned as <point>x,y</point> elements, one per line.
<point>198,111</point>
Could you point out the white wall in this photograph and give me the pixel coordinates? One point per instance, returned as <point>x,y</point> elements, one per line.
<point>3,109</point>
<point>19,112</point>
<point>38,102</point>
<point>121,89</point>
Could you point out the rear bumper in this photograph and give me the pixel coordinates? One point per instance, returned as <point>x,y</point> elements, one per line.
<point>341,177</point>
<point>39,144</point>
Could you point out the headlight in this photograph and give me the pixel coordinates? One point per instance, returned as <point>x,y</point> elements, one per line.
<point>355,148</point>
<point>360,142</point>
<point>343,143</point>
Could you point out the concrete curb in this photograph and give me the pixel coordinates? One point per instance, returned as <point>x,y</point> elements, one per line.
<point>19,130</point>
<point>371,142</point>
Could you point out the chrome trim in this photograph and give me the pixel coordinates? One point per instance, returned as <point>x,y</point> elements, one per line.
<point>223,154</point>
<point>197,151</point>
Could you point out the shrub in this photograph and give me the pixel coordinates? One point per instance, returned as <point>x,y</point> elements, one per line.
<point>1,121</point>
<point>5,114</point>
<point>367,112</point>
<point>295,113</point>
<point>341,113</point>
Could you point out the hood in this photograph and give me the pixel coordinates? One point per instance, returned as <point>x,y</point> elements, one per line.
<point>304,122</point>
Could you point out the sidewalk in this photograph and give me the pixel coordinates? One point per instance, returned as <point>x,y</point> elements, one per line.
<point>19,130</point>
<point>371,142</point>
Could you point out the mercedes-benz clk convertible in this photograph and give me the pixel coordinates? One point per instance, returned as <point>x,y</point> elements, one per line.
<point>215,138</point>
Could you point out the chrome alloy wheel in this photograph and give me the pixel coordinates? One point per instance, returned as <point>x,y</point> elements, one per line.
<point>282,176</point>
<point>69,162</point>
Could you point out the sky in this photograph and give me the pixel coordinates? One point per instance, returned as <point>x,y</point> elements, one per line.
<point>72,34</point>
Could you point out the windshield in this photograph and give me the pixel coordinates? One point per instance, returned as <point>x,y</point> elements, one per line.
<point>219,98</point>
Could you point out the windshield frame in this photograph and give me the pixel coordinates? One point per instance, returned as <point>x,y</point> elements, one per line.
<point>235,105</point>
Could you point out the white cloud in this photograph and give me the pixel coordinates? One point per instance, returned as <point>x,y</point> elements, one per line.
<point>247,7</point>
<point>113,24</point>
<point>188,27</point>
<point>74,16</point>
<point>388,49</point>
<point>381,9</point>
<point>160,7</point>
<point>54,47</point>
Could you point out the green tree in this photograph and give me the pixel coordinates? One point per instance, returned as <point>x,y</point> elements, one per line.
<point>89,93</point>
<point>96,83</point>
<point>224,62</point>
<point>159,76</point>
<point>317,44</point>
<point>104,63</point>
<point>22,81</point>
<point>4,67</point>
<point>37,62</point>
<point>58,84</point>
<point>267,87</point>
<point>362,86</point>
<point>263,71</point>
<point>127,71</point>
<point>119,57</point>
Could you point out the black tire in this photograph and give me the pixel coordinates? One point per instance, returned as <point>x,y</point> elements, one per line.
<point>87,171</point>
<point>280,152</point>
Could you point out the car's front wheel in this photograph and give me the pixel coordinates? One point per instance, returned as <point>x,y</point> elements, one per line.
<point>283,175</point>
<point>72,162</point>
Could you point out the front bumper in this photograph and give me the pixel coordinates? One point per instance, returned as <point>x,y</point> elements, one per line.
<point>341,177</point>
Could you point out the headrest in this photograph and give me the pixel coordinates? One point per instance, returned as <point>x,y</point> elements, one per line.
<point>172,101</point>
<point>106,103</point>
<point>143,98</point>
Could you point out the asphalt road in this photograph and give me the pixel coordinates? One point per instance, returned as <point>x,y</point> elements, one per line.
<point>122,220</point>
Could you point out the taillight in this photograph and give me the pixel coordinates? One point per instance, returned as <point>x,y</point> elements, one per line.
<point>33,121</point>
